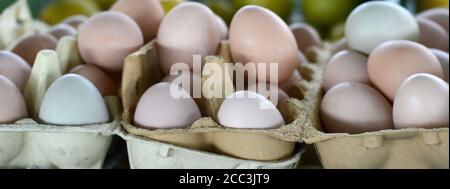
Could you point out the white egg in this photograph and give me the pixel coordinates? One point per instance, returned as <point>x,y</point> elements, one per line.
<point>73,100</point>
<point>375,22</point>
<point>249,110</point>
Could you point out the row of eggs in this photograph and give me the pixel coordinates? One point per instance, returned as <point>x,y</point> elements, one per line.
<point>388,78</point>
<point>70,100</point>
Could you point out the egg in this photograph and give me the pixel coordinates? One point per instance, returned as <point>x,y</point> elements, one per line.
<point>355,108</point>
<point>306,36</point>
<point>159,108</point>
<point>422,101</point>
<point>197,33</point>
<point>443,59</point>
<point>295,77</point>
<point>107,38</point>
<point>104,83</point>
<point>62,30</point>
<point>432,35</point>
<point>393,62</point>
<point>346,66</point>
<point>259,37</point>
<point>31,45</point>
<point>249,110</point>
<point>187,81</point>
<point>339,46</point>
<point>146,13</point>
<point>440,16</point>
<point>14,68</point>
<point>73,100</point>
<point>75,20</point>
<point>270,91</point>
<point>223,28</point>
<point>12,103</point>
<point>375,22</point>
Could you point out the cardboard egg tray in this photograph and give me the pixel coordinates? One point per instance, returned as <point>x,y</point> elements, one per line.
<point>29,144</point>
<point>15,21</point>
<point>206,141</point>
<point>389,149</point>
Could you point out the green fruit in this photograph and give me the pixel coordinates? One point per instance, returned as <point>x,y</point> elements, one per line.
<point>169,4</point>
<point>281,7</point>
<point>61,9</point>
<point>324,14</point>
<point>336,32</point>
<point>429,4</point>
<point>104,4</point>
<point>223,8</point>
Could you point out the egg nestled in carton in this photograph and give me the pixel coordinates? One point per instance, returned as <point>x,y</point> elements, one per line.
<point>67,114</point>
<point>374,108</point>
<point>222,129</point>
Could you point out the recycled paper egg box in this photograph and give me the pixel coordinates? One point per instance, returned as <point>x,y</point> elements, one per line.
<point>16,22</point>
<point>141,70</point>
<point>28,143</point>
<point>389,149</point>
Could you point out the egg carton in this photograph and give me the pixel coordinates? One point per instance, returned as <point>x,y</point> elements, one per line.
<point>29,144</point>
<point>206,139</point>
<point>388,149</point>
<point>16,22</point>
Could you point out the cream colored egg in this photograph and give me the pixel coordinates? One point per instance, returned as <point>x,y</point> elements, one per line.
<point>15,69</point>
<point>162,108</point>
<point>107,38</point>
<point>422,101</point>
<point>259,38</point>
<point>249,110</point>
<point>148,14</point>
<point>346,66</point>
<point>189,29</point>
<point>355,108</point>
<point>12,103</point>
<point>391,63</point>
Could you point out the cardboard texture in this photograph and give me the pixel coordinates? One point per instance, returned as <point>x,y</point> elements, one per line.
<point>15,22</point>
<point>29,144</point>
<point>389,149</point>
<point>141,70</point>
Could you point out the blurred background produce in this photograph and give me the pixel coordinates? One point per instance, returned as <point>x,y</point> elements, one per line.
<point>327,16</point>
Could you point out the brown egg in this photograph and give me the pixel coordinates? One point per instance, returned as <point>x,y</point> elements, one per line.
<point>62,30</point>
<point>104,83</point>
<point>15,69</point>
<point>443,59</point>
<point>440,16</point>
<point>422,101</point>
<point>392,62</point>
<point>189,29</point>
<point>107,38</point>
<point>31,45</point>
<point>148,14</point>
<point>258,36</point>
<point>75,21</point>
<point>355,108</point>
<point>432,35</point>
<point>12,103</point>
<point>346,66</point>
<point>306,36</point>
